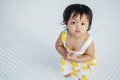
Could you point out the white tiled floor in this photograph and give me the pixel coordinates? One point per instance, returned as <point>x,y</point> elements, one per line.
<point>28,34</point>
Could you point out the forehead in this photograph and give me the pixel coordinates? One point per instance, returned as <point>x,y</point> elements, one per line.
<point>78,16</point>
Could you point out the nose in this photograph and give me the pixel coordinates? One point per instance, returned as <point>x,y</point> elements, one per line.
<point>78,26</point>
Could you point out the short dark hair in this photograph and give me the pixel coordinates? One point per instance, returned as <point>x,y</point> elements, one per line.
<point>77,9</point>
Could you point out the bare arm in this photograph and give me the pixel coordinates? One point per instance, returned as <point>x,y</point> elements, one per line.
<point>88,55</point>
<point>60,47</point>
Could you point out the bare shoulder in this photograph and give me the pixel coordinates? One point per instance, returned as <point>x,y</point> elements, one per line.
<point>92,45</point>
<point>59,41</point>
<point>91,49</point>
<point>92,42</point>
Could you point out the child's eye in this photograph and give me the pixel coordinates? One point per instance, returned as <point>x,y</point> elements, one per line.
<point>82,23</point>
<point>73,22</point>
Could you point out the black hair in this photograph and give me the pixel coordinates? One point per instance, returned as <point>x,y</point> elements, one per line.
<point>77,9</point>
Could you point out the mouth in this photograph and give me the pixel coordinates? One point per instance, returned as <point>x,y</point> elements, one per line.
<point>77,31</point>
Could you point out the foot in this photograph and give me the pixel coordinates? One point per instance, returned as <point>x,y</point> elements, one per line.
<point>67,75</point>
<point>79,79</point>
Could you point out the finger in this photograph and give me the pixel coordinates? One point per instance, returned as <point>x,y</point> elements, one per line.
<point>68,56</point>
<point>71,54</point>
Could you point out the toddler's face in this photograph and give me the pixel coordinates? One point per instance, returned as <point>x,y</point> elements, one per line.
<point>78,25</point>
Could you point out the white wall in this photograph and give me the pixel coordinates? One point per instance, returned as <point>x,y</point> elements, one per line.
<point>29,29</point>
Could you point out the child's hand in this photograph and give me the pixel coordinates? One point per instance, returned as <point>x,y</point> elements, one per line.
<point>71,57</point>
<point>66,56</point>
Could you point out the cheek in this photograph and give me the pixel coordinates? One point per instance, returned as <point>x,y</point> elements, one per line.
<point>71,29</point>
<point>84,30</point>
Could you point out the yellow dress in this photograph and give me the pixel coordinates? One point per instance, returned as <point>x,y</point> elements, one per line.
<point>78,70</point>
